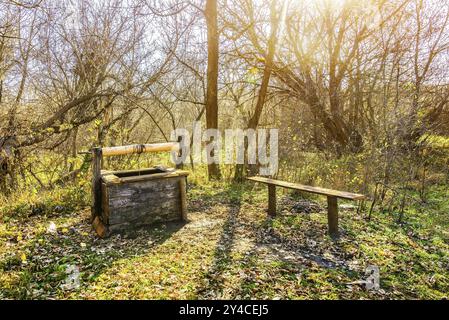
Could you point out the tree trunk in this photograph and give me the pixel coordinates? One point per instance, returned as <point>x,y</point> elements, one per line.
<point>210,13</point>
<point>269,57</point>
<point>73,151</point>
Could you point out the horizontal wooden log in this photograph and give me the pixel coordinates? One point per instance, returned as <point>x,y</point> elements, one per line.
<point>140,148</point>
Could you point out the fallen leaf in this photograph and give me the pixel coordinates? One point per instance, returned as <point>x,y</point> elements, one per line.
<point>51,227</point>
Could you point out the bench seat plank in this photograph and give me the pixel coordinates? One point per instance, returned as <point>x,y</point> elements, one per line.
<point>316,190</point>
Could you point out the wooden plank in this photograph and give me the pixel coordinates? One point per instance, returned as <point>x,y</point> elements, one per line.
<point>332,216</point>
<point>111,178</point>
<point>137,172</point>
<point>143,191</point>
<point>168,210</point>
<point>316,190</point>
<point>145,201</point>
<point>183,198</point>
<point>104,204</point>
<point>271,200</point>
<point>155,176</point>
<point>96,183</point>
<point>148,221</point>
<point>144,214</point>
<point>140,148</point>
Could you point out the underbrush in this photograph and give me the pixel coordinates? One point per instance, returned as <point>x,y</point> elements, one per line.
<point>58,201</point>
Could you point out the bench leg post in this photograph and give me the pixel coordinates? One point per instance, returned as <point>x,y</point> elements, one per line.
<point>271,200</point>
<point>332,216</point>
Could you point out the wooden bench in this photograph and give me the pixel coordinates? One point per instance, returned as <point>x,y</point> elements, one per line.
<point>332,196</point>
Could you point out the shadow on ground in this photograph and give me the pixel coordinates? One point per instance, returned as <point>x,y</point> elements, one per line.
<point>274,254</point>
<point>222,253</point>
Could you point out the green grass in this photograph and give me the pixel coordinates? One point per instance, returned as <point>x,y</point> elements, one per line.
<point>229,249</point>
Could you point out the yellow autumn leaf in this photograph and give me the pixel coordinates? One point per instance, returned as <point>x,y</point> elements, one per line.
<point>254,70</point>
<point>65,230</point>
<point>23,257</point>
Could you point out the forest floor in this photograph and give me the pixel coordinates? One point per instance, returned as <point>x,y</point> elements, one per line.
<point>229,249</point>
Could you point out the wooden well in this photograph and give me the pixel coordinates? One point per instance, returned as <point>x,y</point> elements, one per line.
<point>126,200</point>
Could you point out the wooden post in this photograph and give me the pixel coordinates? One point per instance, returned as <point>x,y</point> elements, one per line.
<point>182,190</point>
<point>96,183</point>
<point>332,216</point>
<point>271,200</point>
